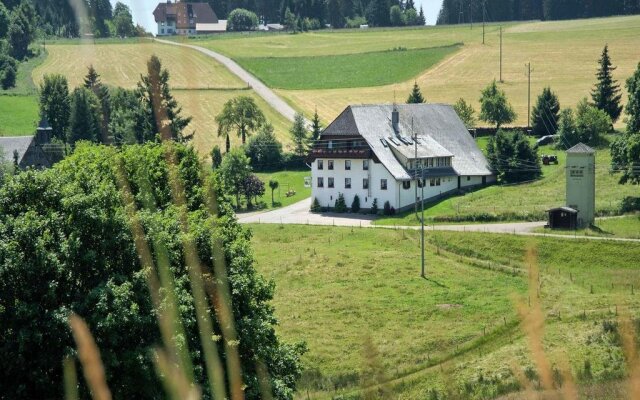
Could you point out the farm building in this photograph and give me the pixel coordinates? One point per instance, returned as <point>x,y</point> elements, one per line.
<point>370,151</point>
<point>183,18</point>
<point>30,151</point>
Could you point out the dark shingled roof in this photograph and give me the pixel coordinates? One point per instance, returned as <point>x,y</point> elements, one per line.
<point>10,144</point>
<point>581,148</point>
<point>437,123</point>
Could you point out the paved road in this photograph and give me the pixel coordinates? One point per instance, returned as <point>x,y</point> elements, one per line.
<point>260,88</point>
<point>299,213</point>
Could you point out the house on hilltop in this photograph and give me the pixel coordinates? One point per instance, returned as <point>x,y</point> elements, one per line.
<point>182,18</point>
<point>31,151</point>
<point>395,153</point>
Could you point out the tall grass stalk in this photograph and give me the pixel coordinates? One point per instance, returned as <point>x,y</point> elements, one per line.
<point>70,379</point>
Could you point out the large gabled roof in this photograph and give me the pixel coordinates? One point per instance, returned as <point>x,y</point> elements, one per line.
<point>11,144</point>
<point>201,13</point>
<point>438,127</point>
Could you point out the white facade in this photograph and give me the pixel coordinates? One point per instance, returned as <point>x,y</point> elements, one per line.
<point>399,194</point>
<point>581,185</point>
<point>166,28</point>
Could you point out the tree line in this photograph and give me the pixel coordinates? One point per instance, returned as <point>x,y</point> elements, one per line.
<point>466,11</point>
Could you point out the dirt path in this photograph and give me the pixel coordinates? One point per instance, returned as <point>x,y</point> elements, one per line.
<point>260,88</point>
<point>299,214</point>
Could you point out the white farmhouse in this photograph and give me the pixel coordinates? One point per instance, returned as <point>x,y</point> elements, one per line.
<point>370,150</point>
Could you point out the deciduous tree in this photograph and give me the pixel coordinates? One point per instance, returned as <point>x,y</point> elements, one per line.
<point>466,113</point>
<point>264,150</point>
<point>241,114</point>
<point>494,107</point>
<point>55,104</point>
<point>235,168</point>
<point>633,105</point>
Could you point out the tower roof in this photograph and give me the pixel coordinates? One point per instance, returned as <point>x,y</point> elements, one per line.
<point>581,148</point>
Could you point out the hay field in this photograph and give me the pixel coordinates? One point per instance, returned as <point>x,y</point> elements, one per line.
<point>201,85</point>
<point>122,64</point>
<point>563,55</point>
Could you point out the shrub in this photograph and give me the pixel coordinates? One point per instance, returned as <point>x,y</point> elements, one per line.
<point>630,204</point>
<point>242,20</point>
<point>374,207</point>
<point>513,158</point>
<point>591,123</point>
<point>355,205</point>
<point>315,206</point>
<point>264,150</point>
<point>8,77</point>
<point>355,22</point>
<point>341,205</point>
<point>388,209</point>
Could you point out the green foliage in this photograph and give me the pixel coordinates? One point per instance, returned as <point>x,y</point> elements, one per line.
<point>299,135</point>
<point>355,22</point>
<point>316,127</point>
<point>264,150</point>
<point>513,158</point>
<point>396,17</point>
<point>591,123</point>
<point>55,104</point>
<point>242,114</point>
<point>4,21</point>
<point>66,245</point>
<point>633,105</point>
<point>567,130</point>
<point>8,76</point>
<point>606,95</point>
<point>273,185</point>
<point>466,113</point>
<point>377,12</point>
<point>234,170</point>
<point>158,105</point>
<point>545,114</point>
<point>340,204</point>
<point>126,123</point>
<point>123,21</point>
<point>241,19</point>
<point>92,81</point>
<point>355,204</point>
<point>315,205</point>
<point>625,157</point>
<point>494,107</point>
<point>216,157</point>
<point>252,188</point>
<point>415,97</point>
<point>85,116</point>
<point>374,207</point>
<point>290,21</point>
<point>387,209</point>
<point>22,30</point>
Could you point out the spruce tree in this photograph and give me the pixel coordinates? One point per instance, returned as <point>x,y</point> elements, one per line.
<point>316,128</point>
<point>84,123</point>
<point>299,135</point>
<point>545,114</point>
<point>416,95</point>
<point>92,81</point>
<point>55,103</point>
<point>606,95</point>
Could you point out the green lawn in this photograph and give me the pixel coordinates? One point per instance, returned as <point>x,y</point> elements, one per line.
<point>527,200</point>
<point>18,115</point>
<point>287,180</point>
<point>345,71</point>
<point>618,227</point>
<point>339,288</point>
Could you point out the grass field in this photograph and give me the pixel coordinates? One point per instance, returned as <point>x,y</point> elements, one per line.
<point>545,44</point>
<point>122,65</point>
<point>201,85</point>
<point>18,115</point>
<point>527,199</point>
<point>622,227</point>
<point>288,180</point>
<point>339,288</point>
<point>345,71</point>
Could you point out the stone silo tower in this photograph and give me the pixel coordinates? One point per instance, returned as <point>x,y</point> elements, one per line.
<point>581,183</point>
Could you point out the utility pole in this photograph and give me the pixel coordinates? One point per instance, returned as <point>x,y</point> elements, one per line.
<point>501,54</point>
<point>422,223</point>
<point>415,174</point>
<point>528,65</point>
<point>461,15</point>
<point>471,13</point>
<point>415,165</point>
<point>483,13</point>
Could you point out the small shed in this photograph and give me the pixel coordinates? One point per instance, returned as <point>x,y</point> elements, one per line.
<point>563,218</point>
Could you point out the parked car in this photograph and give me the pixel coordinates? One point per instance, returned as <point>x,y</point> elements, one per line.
<point>548,139</point>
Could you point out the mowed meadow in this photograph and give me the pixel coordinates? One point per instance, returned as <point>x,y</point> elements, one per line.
<point>200,84</point>
<point>563,55</point>
<point>356,297</point>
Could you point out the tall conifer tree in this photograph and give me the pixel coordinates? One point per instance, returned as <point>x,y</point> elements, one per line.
<point>606,95</point>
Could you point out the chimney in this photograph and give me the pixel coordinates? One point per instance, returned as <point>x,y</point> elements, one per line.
<point>44,131</point>
<point>395,120</point>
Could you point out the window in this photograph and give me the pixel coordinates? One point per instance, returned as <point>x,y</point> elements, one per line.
<point>365,183</point>
<point>347,165</point>
<point>330,182</point>
<point>406,185</point>
<point>320,164</point>
<point>468,178</point>
<point>331,144</point>
<point>432,182</point>
<point>320,182</point>
<point>162,31</point>
<point>430,162</point>
<point>365,165</point>
<point>330,164</point>
<point>437,181</point>
<point>383,184</point>
<point>347,183</point>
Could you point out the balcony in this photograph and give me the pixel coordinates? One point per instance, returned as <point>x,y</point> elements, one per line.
<point>324,152</point>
